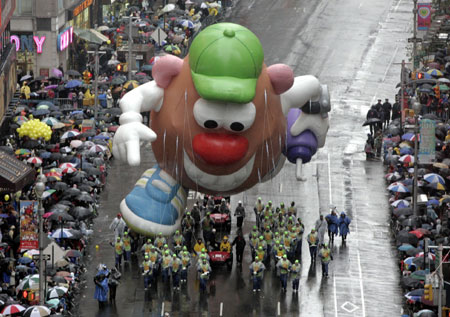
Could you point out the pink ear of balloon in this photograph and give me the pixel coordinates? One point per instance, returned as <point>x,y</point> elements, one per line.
<point>165,69</point>
<point>281,76</point>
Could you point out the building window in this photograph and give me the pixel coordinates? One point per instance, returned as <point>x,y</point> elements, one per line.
<point>60,5</point>
<point>44,24</point>
<point>23,7</point>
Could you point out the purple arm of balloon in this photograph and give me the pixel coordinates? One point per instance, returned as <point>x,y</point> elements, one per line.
<point>303,146</point>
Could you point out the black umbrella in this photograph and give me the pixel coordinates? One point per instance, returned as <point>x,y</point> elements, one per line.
<point>72,192</point>
<point>65,202</point>
<point>84,197</point>
<point>371,121</point>
<point>85,187</point>
<point>59,208</point>
<point>59,279</point>
<point>78,178</point>
<point>66,158</point>
<point>55,156</point>
<point>31,144</point>
<point>92,171</point>
<point>7,149</point>
<point>72,72</point>
<point>413,251</point>
<point>410,283</point>
<point>98,161</point>
<point>410,222</point>
<point>59,186</point>
<point>406,237</point>
<point>407,211</point>
<point>61,216</point>
<point>81,213</point>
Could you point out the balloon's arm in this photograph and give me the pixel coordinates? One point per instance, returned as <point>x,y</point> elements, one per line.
<point>146,97</point>
<point>298,171</point>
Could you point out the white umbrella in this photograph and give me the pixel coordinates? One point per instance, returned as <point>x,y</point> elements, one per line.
<point>37,311</point>
<point>169,7</point>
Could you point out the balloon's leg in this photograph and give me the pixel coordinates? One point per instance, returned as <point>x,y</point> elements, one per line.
<point>298,172</point>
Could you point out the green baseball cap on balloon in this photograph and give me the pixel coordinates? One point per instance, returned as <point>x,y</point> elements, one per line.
<point>226,60</point>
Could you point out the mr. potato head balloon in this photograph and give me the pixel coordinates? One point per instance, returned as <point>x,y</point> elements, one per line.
<point>221,121</point>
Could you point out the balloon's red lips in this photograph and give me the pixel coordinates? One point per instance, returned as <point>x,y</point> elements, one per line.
<point>220,148</point>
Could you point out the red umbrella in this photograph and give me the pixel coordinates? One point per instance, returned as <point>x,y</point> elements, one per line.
<point>47,214</point>
<point>113,128</point>
<point>34,160</point>
<point>13,309</point>
<point>418,234</point>
<point>69,170</point>
<point>54,174</point>
<point>66,165</point>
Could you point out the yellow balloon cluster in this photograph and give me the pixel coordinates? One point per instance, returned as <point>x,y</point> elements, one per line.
<point>35,129</point>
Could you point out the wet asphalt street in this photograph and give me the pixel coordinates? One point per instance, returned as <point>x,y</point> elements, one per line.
<point>355,47</point>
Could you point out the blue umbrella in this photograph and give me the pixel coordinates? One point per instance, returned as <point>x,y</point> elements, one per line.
<point>24,260</point>
<point>147,68</point>
<point>73,83</point>
<point>101,137</point>
<point>407,181</point>
<point>405,247</point>
<point>433,202</point>
<point>434,178</point>
<point>45,155</point>
<point>40,112</point>
<point>76,112</point>
<point>406,150</point>
<point>46,103</point>
<point>407,136</point>
<point>4,215</point>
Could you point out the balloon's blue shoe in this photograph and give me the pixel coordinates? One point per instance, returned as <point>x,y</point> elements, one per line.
<point>156,204</point>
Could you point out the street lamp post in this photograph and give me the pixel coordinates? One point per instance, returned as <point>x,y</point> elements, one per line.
<point>416,107</point>
<point>39,189</point>
<point>414,52</point>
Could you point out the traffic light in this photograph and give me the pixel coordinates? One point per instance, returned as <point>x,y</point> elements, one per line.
<point>119,41</point>
<point>25,294</point>
<point>437,92</point>
<point>31,296</point>
<point>428,292</point>
<point>419,75</point>
<point>119,67</point>
<point>87,76</point>
<point>413,75</point>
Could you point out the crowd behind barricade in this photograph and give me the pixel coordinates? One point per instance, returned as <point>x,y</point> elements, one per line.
<point>425,96</point>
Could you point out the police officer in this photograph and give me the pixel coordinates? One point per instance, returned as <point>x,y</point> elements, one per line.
<point>126,246</point>
<point>147,271</point>
<point>284,265</point>
<point>325,257</point>
<point>185,262</point>
<point>204,270</point>
<point>118,249</point>
<point>176,267</point>
<point>296,273</point>
<point>312,241</point>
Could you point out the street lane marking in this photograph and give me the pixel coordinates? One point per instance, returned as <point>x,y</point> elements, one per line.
<point>221,308</point>
<point>351,309</point>
<point>162,310</point>
<point>279,309</point>
<point>335,297</point>
<point>396,7</point>
<point>361,284</point>
<point>329,178</point>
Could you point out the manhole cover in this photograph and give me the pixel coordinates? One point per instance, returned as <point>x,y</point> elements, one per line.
<point>349,307</point>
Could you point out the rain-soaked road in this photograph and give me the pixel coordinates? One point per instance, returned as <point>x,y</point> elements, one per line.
<point>355,47</point>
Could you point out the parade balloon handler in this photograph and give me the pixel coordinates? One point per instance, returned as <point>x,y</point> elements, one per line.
<point>230,130</point>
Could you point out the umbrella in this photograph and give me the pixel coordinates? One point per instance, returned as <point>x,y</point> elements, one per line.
<point>444,80</point>
<point>73,254</point>
<point>56,73</point>
<point>26,77</point>
<point>410,222</point>
<point>425,313</point>
<point>70,134</point>
<point>69,170</point>
<point>76,143</point>
<point>61,233</point>
<point>117,81</point>
<point>405,247</point>
<point>59,186</point>
<point>81,213</point>
<point>371,121</point>
<point>400,203</point>
<point>418,234</point>
<point>36,311</point>
<point>20,120</point>
<point>66,165</point>
<point>398,188</point>
<point>72,192</point>
<point>58,125</point>
<point>48,193</point>
<point>56,292</point>
<point>41,112</point>
<point>436,186</point>
<point>30,282</point>
<point>24,260</point>
<point>13,309</point>
<point>147,68</point>
<point>167,8</point>
<point>84,197</point>
<point>412,252</point>
<point>407,159</point>
<point>22,152</point>
<point>415,295</point>
<point>61,263</point>
<point>408,137</point>
<point>435,72</point>
<point>187,24</point>
<point>50,121</point>
<point>419,275</point>
<point>440,165</point>
<point>97,149</point>
<point>91,35</point>
<point>410,283</point>
<point>405,211</point>
<point>393,176</point>
<point>73,83</point>
<point>59,279</point>
<point>434,178</point>
<point>61,216</point>
<point>53,173</point>
<point>131,84</point>
<point>34,160</point>
<point>406,237</point>
<point>72,72</point>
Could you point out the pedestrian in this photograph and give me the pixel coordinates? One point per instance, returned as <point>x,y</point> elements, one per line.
<point>344,223</point>
<point>292,209</point>
<point>299,229</point>
<point>284,266</point>
<point>160,241</point>
<point>239,242</point>
<point>312,242</point>
<point>101,286</point>
<point>321,227</point>
<point>188,225</point>
<point>113,282</point>
<point>175,268</point>
<point>207,226</point>
<point>118,226</point>
<point>109,99</point>
<point>178,241</point>
<point>257,270</point>
<point>258,209</point>
<point>199,246</point>
<point>296,272</point>
<point>118,250</point>
<point>372,114</point>
<point>387,107</point>
<point>185,262</point>
<point>332,221</point>
<point>126,247</point>
<point>25,91</point>
<point>325,257</point>
<point>396,110</point>
<point>240,214</point>
<point>147,272</point>
<point>204,270</point>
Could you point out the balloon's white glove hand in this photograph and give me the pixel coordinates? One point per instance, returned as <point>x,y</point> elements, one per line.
<point>127,139</point>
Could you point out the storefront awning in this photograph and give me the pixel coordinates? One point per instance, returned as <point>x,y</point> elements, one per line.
<point>14,174</point>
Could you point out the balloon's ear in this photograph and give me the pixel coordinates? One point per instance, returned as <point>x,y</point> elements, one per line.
<point>281,76</point>
<point>165,69</point>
